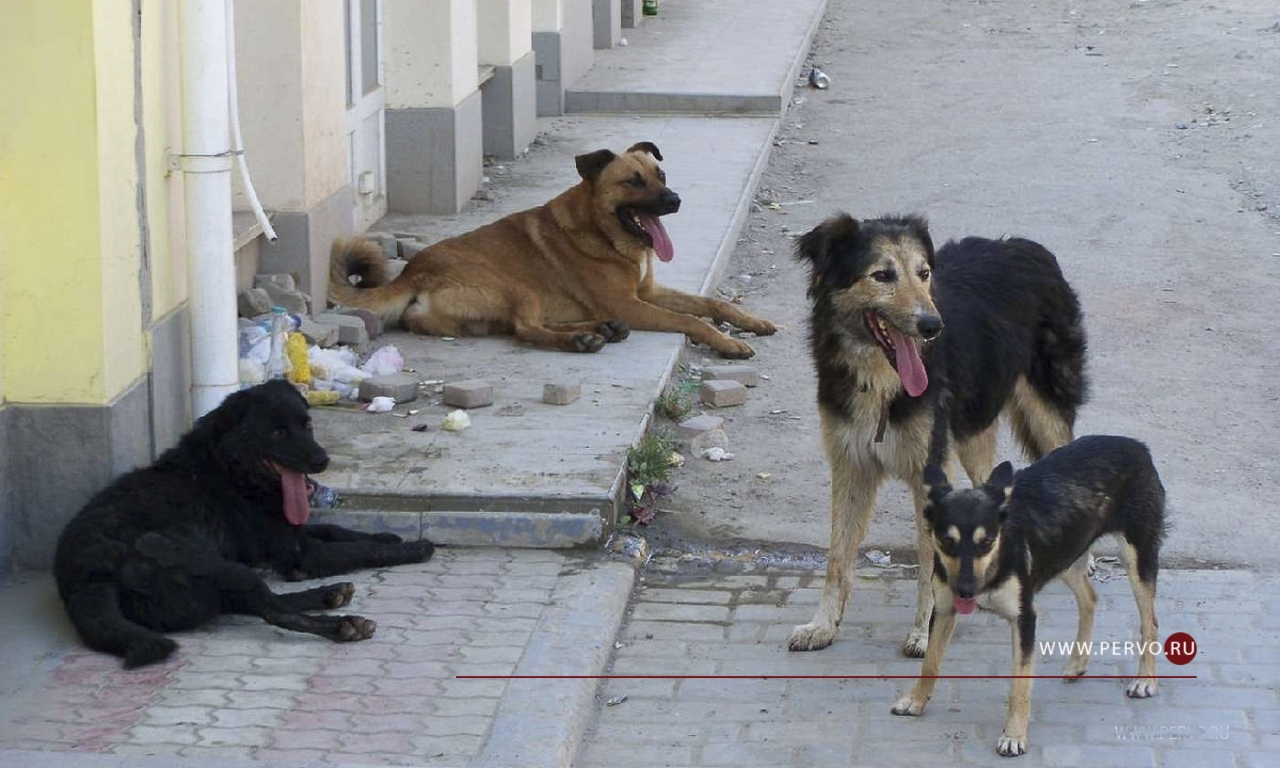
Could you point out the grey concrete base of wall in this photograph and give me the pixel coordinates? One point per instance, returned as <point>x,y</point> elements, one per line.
<point>302,246</point>
<point>435,157</point>
<point>170,380</point>
<point>510,108</point>
<point>606,17</point>
<point>58,457</point>
<point>632,13</point>
<point>550,87</point>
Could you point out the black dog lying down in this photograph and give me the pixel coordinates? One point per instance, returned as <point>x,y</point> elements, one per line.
<point>171,546</point>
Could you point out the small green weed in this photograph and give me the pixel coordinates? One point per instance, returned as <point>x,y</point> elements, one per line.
<point>678,401</point>
<point>648,468</point>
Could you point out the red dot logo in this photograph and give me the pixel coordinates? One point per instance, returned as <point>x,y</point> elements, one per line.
<point>1180,648</point>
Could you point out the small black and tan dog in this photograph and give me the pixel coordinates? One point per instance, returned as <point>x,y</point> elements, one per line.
<point>171,546</point>
<point>1007,538</point>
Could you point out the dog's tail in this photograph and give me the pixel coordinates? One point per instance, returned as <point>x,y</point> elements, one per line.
<point>375,290</point>
<point>95,612</point>
<point>1058,371</point>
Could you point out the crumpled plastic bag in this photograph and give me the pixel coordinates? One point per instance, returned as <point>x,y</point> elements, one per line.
<point>384,361</point>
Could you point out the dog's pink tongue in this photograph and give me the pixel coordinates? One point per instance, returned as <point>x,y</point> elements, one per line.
<point>296,506</point>
<point>907,360</point>
<point>661,240</point>
<point>965,605</point>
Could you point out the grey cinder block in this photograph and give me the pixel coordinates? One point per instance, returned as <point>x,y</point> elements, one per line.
<point>720,393</point>
<point>472,393</point>
<point>400,386</point>
<point>561,392</point>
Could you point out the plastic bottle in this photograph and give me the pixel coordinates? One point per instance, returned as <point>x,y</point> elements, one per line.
<point>277,358</point>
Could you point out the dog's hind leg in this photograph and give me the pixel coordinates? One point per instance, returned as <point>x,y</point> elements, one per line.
<point>1142,567</point>
<point>96,615</point>
<point>853,491</point>
<point>1039,425</point>
<point>1077,579</point>
<point>527,325</point>
<point>977,454</point>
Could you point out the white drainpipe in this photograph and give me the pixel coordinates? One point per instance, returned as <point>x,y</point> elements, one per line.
<point>206,162</point>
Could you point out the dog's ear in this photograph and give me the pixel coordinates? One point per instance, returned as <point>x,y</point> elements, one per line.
<point>1000,482</point>
<point>936,483</point>
<point>918,226</point>
<point>646,146</point>
<point>591,164</point>
<point>818,244</point>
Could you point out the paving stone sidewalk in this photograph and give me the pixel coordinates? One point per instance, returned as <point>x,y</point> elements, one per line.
<point>736,624</point>
<point>244,693</point>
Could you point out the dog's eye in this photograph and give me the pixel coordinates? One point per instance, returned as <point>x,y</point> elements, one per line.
<point>635,181</point>
<point>924,275</point>
<point>884,276</point>
<point>278,433</point>
<point>662,176</point>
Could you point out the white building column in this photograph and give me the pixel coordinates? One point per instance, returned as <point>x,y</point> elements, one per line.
<point>509,94</point>
<point>607,23</point>
<point>435,155</point>
<point>290,57</point>
<point>562,43</point>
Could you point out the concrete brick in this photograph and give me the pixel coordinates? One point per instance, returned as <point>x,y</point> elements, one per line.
<point>253,302</point>
<point>472,393</point>
<point>320,334</point>
<point>401,386</point>
<point>722,393</point>
<point>294,302</point>
<point>372,322</point>
<point>351,330</point>
<point>283,281</point>
<point>696,425</point>
<point>561,392</point>
<point>746,375</point>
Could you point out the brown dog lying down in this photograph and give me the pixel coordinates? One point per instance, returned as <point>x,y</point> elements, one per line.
<point>571,274</point>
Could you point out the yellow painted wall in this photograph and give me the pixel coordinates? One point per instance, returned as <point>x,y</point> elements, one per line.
<point>70,300</point>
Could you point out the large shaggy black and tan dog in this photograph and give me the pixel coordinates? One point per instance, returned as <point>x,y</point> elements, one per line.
<point>913,349</point>
<point>172,546</point>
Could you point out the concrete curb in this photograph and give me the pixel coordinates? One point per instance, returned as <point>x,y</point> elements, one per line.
<point>541,722</point>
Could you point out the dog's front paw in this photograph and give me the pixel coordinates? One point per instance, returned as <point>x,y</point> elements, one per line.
<point>338,595</point>
<point>1142,688</point>
<point>735,349</point>
<point>811,637</point>
<point>586,342</point>
<point>353,628</point>
<point>1011,745</point>
<point>1075,668</point>
<point>909,705</point>
<point>917,641</point>
<point>614,331</point>
<point>760,327</point>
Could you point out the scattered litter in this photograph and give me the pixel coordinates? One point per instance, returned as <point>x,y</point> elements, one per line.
<point>323,397</point>
<point>446,338</point>
<point>818,79</point>
<point>616,700</point>
<point>764,475</point>
<point>880,558</point>
<point>716,453</point>
<point>676,459</point>
<point>618,644</point>
<point>381,404</point>
<point>384,361</point>
<point>414,412</point>
<point>419,428</point>
<point>456,421</point>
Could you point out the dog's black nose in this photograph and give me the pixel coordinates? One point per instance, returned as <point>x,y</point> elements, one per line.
<point>929,326</point>
<point>669,201</point>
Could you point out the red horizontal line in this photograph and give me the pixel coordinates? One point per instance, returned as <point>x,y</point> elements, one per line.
<point>812,677</point>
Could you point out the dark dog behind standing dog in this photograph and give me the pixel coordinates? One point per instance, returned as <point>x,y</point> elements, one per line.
<point>912,349</point>
<point>1011,536</point>
<point>171,546</point>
